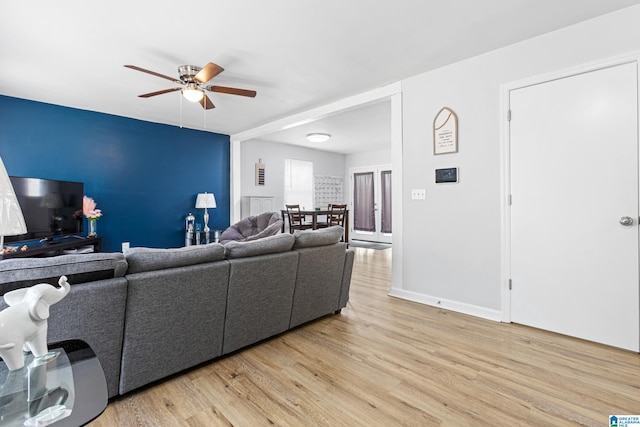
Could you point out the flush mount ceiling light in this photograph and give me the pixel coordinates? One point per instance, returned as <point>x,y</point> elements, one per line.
<point>192,92</point>
<point>318,137</point>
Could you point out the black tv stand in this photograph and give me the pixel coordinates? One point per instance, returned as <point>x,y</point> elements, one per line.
<point>62,239</point>
<point>47,248</point>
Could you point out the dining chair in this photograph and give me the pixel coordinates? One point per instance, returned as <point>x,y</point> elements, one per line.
<point>296,219</point>
<point>337,215</point>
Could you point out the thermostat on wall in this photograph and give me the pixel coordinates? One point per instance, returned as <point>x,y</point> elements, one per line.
<point>446,175</point>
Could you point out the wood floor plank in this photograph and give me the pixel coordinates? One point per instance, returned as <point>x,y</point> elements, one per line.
<point>384,362</point>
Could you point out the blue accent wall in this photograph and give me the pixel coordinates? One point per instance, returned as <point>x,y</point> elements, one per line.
<point>144,176</point>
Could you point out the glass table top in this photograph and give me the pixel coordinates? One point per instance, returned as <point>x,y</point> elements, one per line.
<point>66,387</point>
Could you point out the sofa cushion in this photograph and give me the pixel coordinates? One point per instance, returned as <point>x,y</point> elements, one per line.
<point>320,237</point>
<point>267,245</point>
<point>270,230</point>
<point>146,259</point>
<point>253,228</point>
<point>18,273</point>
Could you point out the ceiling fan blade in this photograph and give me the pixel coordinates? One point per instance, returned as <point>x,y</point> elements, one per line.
<point>232,91</point>
<point>160,92</point>
<point>173,79</point>
<point>208,72</point>
<point>206,103</point>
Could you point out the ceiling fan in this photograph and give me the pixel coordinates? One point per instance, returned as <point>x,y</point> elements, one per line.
<point>192,80</point>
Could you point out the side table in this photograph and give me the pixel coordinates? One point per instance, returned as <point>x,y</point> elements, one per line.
<point>66,388</point>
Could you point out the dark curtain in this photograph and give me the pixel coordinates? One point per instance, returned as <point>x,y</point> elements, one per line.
<point>385,177</point>
<point>363,202</point>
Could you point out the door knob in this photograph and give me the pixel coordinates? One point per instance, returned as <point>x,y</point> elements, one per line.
<point>626,220</point>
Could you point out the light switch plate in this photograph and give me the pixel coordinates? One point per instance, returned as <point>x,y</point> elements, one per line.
<point>418,194</point>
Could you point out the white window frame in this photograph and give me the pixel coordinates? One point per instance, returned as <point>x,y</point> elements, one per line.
<point>298,183</point>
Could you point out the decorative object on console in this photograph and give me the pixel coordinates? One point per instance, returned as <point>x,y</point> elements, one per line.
<point>11,219</point>
<point>92,214</point>
<point>206,200</point>
<point>189,228</point>
<point>24,323</point>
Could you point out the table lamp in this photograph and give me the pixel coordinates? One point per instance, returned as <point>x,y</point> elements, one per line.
<point>11,219</point>
<point>206,200</point>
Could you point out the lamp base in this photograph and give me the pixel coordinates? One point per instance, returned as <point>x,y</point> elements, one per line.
<point>206,228</point>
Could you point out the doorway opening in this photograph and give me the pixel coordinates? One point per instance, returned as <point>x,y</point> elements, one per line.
<point>371,203</point>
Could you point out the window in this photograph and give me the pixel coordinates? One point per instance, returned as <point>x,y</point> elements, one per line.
<point>298,183</point>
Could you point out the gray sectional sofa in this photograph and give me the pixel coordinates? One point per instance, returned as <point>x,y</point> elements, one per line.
<point>150,313</point>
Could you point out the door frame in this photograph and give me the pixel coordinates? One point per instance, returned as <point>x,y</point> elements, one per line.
<point>505,156</point>
<point>377,173</point>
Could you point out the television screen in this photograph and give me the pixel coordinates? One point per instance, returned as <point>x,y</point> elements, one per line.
<point>50,208</point>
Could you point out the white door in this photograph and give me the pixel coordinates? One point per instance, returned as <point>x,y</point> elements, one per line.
<point>370,204</point>
<point>574,179</point>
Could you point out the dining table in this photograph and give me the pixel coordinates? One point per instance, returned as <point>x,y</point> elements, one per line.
<point>314,214</point>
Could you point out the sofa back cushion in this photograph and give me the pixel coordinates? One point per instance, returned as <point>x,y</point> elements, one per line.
<point>259,299</point>
<point>318,282</point>
<point>268,245</point>
<point>320,237</point>
<point>16,273</point>
<point>147,259</point>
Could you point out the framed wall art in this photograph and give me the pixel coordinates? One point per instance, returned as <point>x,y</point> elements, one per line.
<point>445,132</point>
<point>260,169</point>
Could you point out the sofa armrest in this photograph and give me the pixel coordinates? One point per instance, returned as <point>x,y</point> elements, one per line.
<point>346,277</point>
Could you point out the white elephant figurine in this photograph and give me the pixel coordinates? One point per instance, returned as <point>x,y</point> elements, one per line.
<point>24,323</point>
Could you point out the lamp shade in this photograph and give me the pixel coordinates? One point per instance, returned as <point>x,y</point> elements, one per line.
<point>11,219</point>
<point>205,200</point>
<point>192,92</point>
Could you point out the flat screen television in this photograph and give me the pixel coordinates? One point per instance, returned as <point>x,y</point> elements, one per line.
<point>51,208</point>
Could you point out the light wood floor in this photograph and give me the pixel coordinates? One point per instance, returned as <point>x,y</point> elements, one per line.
<point>387,362</point>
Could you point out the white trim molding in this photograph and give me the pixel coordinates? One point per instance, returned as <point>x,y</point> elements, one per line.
<point>460,307</point>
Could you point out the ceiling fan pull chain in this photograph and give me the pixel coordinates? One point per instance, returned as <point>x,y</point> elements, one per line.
<point>180,112</point>
<point>204,118</point>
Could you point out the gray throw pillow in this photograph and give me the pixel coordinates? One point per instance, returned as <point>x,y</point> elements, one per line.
<point>266,245</point>
<point>320,237</point>
<point>147,259</point>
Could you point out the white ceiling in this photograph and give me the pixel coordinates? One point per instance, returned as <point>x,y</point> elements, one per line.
<point>360,130</point>
<point>296,54</point>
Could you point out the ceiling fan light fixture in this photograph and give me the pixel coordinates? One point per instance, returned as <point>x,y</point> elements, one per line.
<point>318,137</point>
<point>192,92</point>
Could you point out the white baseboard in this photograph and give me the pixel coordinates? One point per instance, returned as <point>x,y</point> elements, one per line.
<point>473,310</point>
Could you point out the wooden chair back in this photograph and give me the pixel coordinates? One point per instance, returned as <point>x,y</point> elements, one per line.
<point>296,219</point>
<point>337,215</point>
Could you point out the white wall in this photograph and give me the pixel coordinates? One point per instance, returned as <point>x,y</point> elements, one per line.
<point>372,158</point>
<point>356,160</point>
<point>273,156</point>
<point>452,240</point>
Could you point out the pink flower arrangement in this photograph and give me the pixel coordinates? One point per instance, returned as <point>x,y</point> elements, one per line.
<point>89,208</point>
